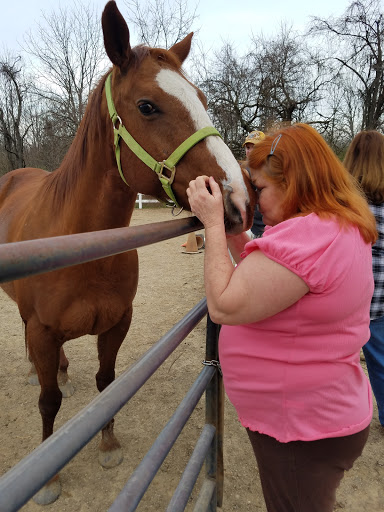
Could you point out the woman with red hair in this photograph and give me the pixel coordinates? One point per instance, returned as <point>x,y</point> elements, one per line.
<point>294,315</point>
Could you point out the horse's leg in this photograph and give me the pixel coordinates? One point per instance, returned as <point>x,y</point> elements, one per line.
<point>108,344</point>
<point>44,351</point>
<point>66,387</point>
<point>33,379</point>
<point>65,384</point>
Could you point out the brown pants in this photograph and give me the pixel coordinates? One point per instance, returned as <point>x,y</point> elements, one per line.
<point>302,476</point>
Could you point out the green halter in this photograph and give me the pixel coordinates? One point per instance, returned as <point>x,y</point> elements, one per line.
<point>120,132</point>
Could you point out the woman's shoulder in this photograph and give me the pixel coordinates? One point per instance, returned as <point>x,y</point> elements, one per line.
<point>303,233</point>
<point>310,242</point>
<point>310,219</point>
<point>306,228</point>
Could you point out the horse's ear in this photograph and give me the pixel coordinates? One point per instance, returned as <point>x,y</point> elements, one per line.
<point>182,48</point>
<point>116,35</point>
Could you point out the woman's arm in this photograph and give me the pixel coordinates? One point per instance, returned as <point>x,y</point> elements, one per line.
<point>258,288</point>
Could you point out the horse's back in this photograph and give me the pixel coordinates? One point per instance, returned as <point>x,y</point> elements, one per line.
<point>12,180</point>
<point>18,190</point>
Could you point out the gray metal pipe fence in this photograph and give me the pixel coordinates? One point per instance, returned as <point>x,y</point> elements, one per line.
<point>20,484</point>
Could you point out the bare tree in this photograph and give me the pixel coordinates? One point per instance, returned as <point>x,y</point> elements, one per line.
<point>280,80</point>
<point>228,82</point>
<point>13,125</point>
<point>358,37</point>
<point>161,23</point>
<point>289,77</point>
<point>340,114</point>
<point>47,140</point>
<point>68,53</point>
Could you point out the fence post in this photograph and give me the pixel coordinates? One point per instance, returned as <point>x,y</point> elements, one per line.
<point>215,416</point>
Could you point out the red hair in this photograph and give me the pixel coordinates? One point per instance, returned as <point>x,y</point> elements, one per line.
<point>313,178</point>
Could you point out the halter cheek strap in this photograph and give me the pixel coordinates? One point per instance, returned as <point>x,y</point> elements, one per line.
<point>166,169</point>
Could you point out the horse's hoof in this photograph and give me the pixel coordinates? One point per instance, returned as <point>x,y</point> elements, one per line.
<point>49,493</point>
<point>67,389</point>
<point>110,459</point>
<point>33,379</point>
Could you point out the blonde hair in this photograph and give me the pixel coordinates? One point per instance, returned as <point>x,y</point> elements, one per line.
<point>365,161</point>
<point>313,178</point>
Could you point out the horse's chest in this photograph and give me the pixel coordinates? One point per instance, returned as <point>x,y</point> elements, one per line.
<point>91,315</point>
<point>87,299</point>
<point>90,310</point>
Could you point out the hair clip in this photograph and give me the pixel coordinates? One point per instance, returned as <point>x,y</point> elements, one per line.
<point>274,144</point>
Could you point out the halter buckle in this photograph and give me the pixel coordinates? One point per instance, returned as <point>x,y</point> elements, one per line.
<point>116,119</point>
<point>172,171</point>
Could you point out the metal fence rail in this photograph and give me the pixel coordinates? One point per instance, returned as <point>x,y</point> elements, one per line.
<point>34,471</point>
<point>22,259</point>
<point>188,479</point>
<point>136,486</point>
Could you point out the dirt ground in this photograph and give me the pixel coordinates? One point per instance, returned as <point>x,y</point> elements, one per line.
<point>171,283</point>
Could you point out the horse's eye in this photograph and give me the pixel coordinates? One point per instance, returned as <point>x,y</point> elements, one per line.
<point>147,109</point>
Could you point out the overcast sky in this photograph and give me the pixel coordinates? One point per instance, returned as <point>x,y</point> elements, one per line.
<point>219,20</point>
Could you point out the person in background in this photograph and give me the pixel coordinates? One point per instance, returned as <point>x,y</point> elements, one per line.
<point>365,161</point>
<point>294,315</point>
<point>253,138</point>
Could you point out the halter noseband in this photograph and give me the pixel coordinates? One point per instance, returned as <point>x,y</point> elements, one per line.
<point>120,132</point>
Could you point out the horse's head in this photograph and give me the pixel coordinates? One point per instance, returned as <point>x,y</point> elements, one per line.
<point>162,117</point>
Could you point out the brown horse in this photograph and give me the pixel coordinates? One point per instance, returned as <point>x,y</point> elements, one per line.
<point>148,94</point>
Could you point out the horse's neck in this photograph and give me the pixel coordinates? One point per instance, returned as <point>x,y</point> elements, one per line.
<point>91,194</point>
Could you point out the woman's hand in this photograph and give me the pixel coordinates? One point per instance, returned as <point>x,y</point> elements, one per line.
<point>206,201</point>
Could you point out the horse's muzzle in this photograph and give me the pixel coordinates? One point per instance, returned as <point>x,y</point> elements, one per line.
<point>235,221</point>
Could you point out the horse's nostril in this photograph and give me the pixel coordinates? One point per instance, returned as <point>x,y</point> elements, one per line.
<point>233,219</point>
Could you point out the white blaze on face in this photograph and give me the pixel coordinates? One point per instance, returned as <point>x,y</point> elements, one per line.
<point>175,85</point>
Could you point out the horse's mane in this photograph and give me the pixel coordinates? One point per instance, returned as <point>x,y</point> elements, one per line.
<point>90,130</point>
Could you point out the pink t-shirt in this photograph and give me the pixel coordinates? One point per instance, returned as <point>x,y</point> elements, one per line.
<point>297,374</point>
